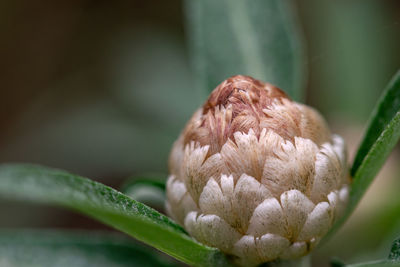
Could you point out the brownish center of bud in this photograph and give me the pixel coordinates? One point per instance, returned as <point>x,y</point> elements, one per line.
<point>243,93</point>
<point>241,103</point>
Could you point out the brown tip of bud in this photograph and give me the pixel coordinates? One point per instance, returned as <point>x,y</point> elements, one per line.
<point>241,103</point>
<point>243,93</point>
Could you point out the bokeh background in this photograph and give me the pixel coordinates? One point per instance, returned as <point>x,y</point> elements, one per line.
<point>103,88</point>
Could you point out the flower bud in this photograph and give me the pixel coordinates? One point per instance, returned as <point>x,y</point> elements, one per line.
<point>256,174</point>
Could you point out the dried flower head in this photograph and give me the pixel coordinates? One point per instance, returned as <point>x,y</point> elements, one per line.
<point>256,174</point>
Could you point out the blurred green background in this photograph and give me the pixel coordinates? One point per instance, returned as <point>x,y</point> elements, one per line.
<point>103,88</point>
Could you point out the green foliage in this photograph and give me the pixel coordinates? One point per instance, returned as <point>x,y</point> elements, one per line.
<point>337,263</point>
<point>394,254</point>
<point>46,248</point>
<point>392,260</point>
<point>381,137</point>
<point>256,38</point>
<point>148,189</point>
<point>380,263</point>
<point>154,180</point>
<point>387,108</point>
<point>51,186</point>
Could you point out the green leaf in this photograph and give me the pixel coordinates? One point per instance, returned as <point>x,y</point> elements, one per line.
<point>394,254</point>
<point>51,186</point>
<point>254,37</point>
<point>381,137</point>
<point>381,263</point>
<point>337,263</point>
<point>155,180</point>
<point>387,108</point>
<point>392,260</point>
<point>148,189</point>
<point>47,248</point>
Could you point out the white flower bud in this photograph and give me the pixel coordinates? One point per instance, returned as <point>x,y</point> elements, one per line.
<point>257,175</point>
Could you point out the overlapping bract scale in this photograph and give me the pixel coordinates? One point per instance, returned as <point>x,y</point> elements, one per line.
<point>260,217</point>
<point>257,175</point>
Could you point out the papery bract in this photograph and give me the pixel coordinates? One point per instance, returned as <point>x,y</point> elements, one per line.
<point>256,174</point>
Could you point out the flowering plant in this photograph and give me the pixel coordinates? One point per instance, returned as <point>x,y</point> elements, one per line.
<point>255,177</point>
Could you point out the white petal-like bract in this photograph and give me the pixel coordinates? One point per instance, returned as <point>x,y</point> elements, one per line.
<point>268,217</point>
<point>257,175</point>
